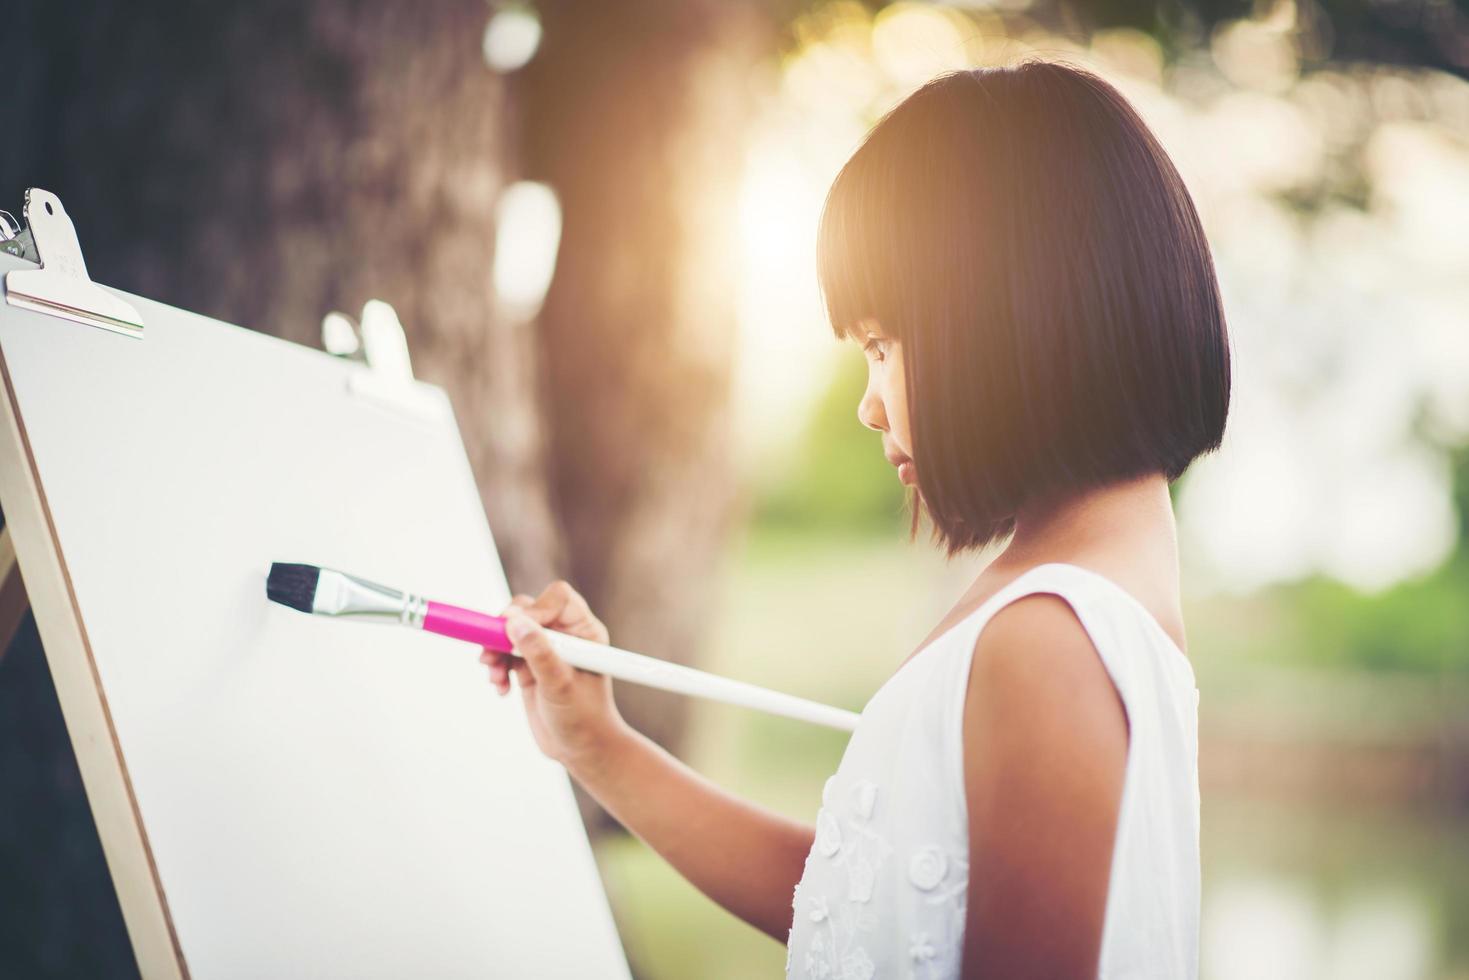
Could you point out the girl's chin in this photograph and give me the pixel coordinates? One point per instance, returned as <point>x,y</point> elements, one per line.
<point>905,473</point>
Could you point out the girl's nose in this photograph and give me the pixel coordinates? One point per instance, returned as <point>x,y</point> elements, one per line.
<point>871,414</point>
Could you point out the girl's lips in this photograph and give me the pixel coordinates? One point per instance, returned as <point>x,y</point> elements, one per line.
<point>903,463</point>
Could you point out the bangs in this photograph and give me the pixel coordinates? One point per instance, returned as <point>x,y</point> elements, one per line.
<point>891,211</point>
<point>859,248</point>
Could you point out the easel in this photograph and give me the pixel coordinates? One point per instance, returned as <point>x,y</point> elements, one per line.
<point>216,846</point>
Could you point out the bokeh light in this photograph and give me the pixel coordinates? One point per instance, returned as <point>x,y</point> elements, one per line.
<point>511,38</point>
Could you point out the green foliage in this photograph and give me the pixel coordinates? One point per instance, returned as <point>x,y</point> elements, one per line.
<point>1417,625</point>
<point>1420,625</point>
<point>840,480</point>
<point>1459,459</point>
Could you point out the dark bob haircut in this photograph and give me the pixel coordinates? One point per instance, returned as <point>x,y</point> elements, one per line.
<point>1028,242</point>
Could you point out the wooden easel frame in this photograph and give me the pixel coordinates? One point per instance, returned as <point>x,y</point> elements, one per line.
<point>47,584</point>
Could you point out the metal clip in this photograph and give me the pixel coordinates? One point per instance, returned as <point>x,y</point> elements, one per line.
<point>60,286</point>
<point>16,239</point>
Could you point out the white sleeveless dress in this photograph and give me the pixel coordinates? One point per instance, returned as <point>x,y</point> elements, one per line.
<point>885,883</point>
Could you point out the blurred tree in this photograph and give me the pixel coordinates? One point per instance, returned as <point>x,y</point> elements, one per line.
<point>633,113</point>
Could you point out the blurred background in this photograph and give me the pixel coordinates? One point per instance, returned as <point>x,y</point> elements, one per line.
<point>597,222</point>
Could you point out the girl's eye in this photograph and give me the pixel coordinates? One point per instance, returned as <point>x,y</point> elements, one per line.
<point>873,344</point>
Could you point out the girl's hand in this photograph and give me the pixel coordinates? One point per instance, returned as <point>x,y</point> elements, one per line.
<point>571,711</point>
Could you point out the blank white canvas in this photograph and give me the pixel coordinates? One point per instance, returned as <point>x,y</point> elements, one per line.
<point>323,798</point>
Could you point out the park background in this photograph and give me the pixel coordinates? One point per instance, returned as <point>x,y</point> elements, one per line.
<point>597,223</point>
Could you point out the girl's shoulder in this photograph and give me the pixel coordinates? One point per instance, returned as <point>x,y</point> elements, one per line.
<point>1055,641</point>
<point>1059,618</point>
<point>1057,645</point>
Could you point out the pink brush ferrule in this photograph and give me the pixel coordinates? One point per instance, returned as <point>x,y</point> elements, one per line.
<point>466,624</point>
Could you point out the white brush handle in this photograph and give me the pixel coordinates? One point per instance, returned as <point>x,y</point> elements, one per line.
<point>652,672</point>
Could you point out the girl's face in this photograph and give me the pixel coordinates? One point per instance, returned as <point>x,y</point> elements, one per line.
<point>884,405</point>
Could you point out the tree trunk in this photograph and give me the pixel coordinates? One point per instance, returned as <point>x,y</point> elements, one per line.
<point>633,113</point>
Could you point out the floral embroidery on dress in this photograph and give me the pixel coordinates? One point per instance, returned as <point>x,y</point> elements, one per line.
<point>857,965</point>
<point>927,866</point>
<point>883,891</point>
<point>863,848</point>
<point>844,835</point>
<point>956,889</point>
<point>828,833</point>
<point>885,883</point>
<point>816,961</point>
<point>838,925</point>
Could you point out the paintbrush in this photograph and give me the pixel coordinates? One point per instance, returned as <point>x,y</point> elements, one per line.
<point>325,592</point>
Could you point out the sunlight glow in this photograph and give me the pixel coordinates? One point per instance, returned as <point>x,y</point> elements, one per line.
<point>913,42</point>
<point>786,348</point>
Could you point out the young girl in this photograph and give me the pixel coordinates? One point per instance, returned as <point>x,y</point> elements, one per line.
<point>1046,351</point>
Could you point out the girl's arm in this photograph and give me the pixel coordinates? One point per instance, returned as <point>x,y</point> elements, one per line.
<point>743,856</point>
<point>1045,751</point>
<point>746,858</point>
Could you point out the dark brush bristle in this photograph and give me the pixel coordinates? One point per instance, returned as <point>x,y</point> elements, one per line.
<point>292,584</point>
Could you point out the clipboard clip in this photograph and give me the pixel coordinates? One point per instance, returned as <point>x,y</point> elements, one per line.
<point>15,238</point>
<point>383,371</point>
<point>379,342</point>
<point>60,286</point>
